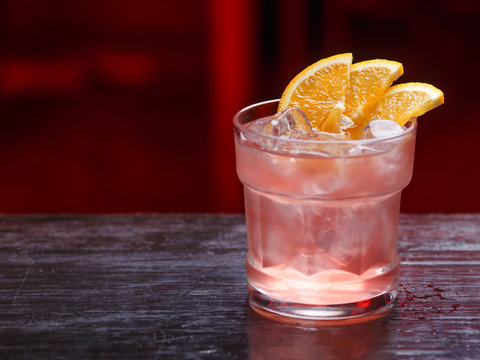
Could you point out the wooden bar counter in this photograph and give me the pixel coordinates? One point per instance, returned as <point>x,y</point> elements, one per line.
<point>154,286</point>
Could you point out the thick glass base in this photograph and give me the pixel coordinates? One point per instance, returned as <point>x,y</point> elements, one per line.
<point>309,314</point>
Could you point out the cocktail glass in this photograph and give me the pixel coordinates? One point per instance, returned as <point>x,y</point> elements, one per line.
<point>322,220</point>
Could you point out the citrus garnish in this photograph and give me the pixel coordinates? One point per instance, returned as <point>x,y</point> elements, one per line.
<point>405,101</point>
<point>339,97</point>
<point>368,82</point>
<point>319,91</point>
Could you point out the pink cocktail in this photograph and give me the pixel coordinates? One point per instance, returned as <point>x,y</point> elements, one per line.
<point>322,219</point>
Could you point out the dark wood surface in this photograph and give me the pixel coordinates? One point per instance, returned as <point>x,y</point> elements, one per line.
<point>173,287</point>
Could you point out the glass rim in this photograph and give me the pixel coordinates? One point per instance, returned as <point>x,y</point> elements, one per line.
<point>238,126</point>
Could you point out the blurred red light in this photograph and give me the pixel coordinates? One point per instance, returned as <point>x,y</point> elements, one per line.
<point>34,75</point>
<point>127,68</point>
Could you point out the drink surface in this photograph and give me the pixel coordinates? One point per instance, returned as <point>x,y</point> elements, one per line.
<point>322,227</point>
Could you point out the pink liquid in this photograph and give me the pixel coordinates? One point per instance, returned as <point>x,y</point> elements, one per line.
<point>322,230</point>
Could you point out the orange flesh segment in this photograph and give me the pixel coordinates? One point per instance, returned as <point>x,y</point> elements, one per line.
<point>319,89</point>
<point>405,101</point>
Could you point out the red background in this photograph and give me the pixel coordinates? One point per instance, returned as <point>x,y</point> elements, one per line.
<point>126,105</point>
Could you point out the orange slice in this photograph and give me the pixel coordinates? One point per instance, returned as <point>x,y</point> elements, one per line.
<point>339,97</point>
<point>319,91</point>
<point>404,101</point>
<point>368,82</point>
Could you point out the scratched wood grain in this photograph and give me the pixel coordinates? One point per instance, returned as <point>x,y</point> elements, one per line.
<point>173,287</point>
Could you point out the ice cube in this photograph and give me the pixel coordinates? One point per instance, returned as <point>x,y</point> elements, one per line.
<point>258,126</point>
<point>378,129</point>
<point>345,122</point>
<point>289,121</point>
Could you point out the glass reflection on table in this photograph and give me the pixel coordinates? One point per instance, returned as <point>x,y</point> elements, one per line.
<point>269,339</point>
